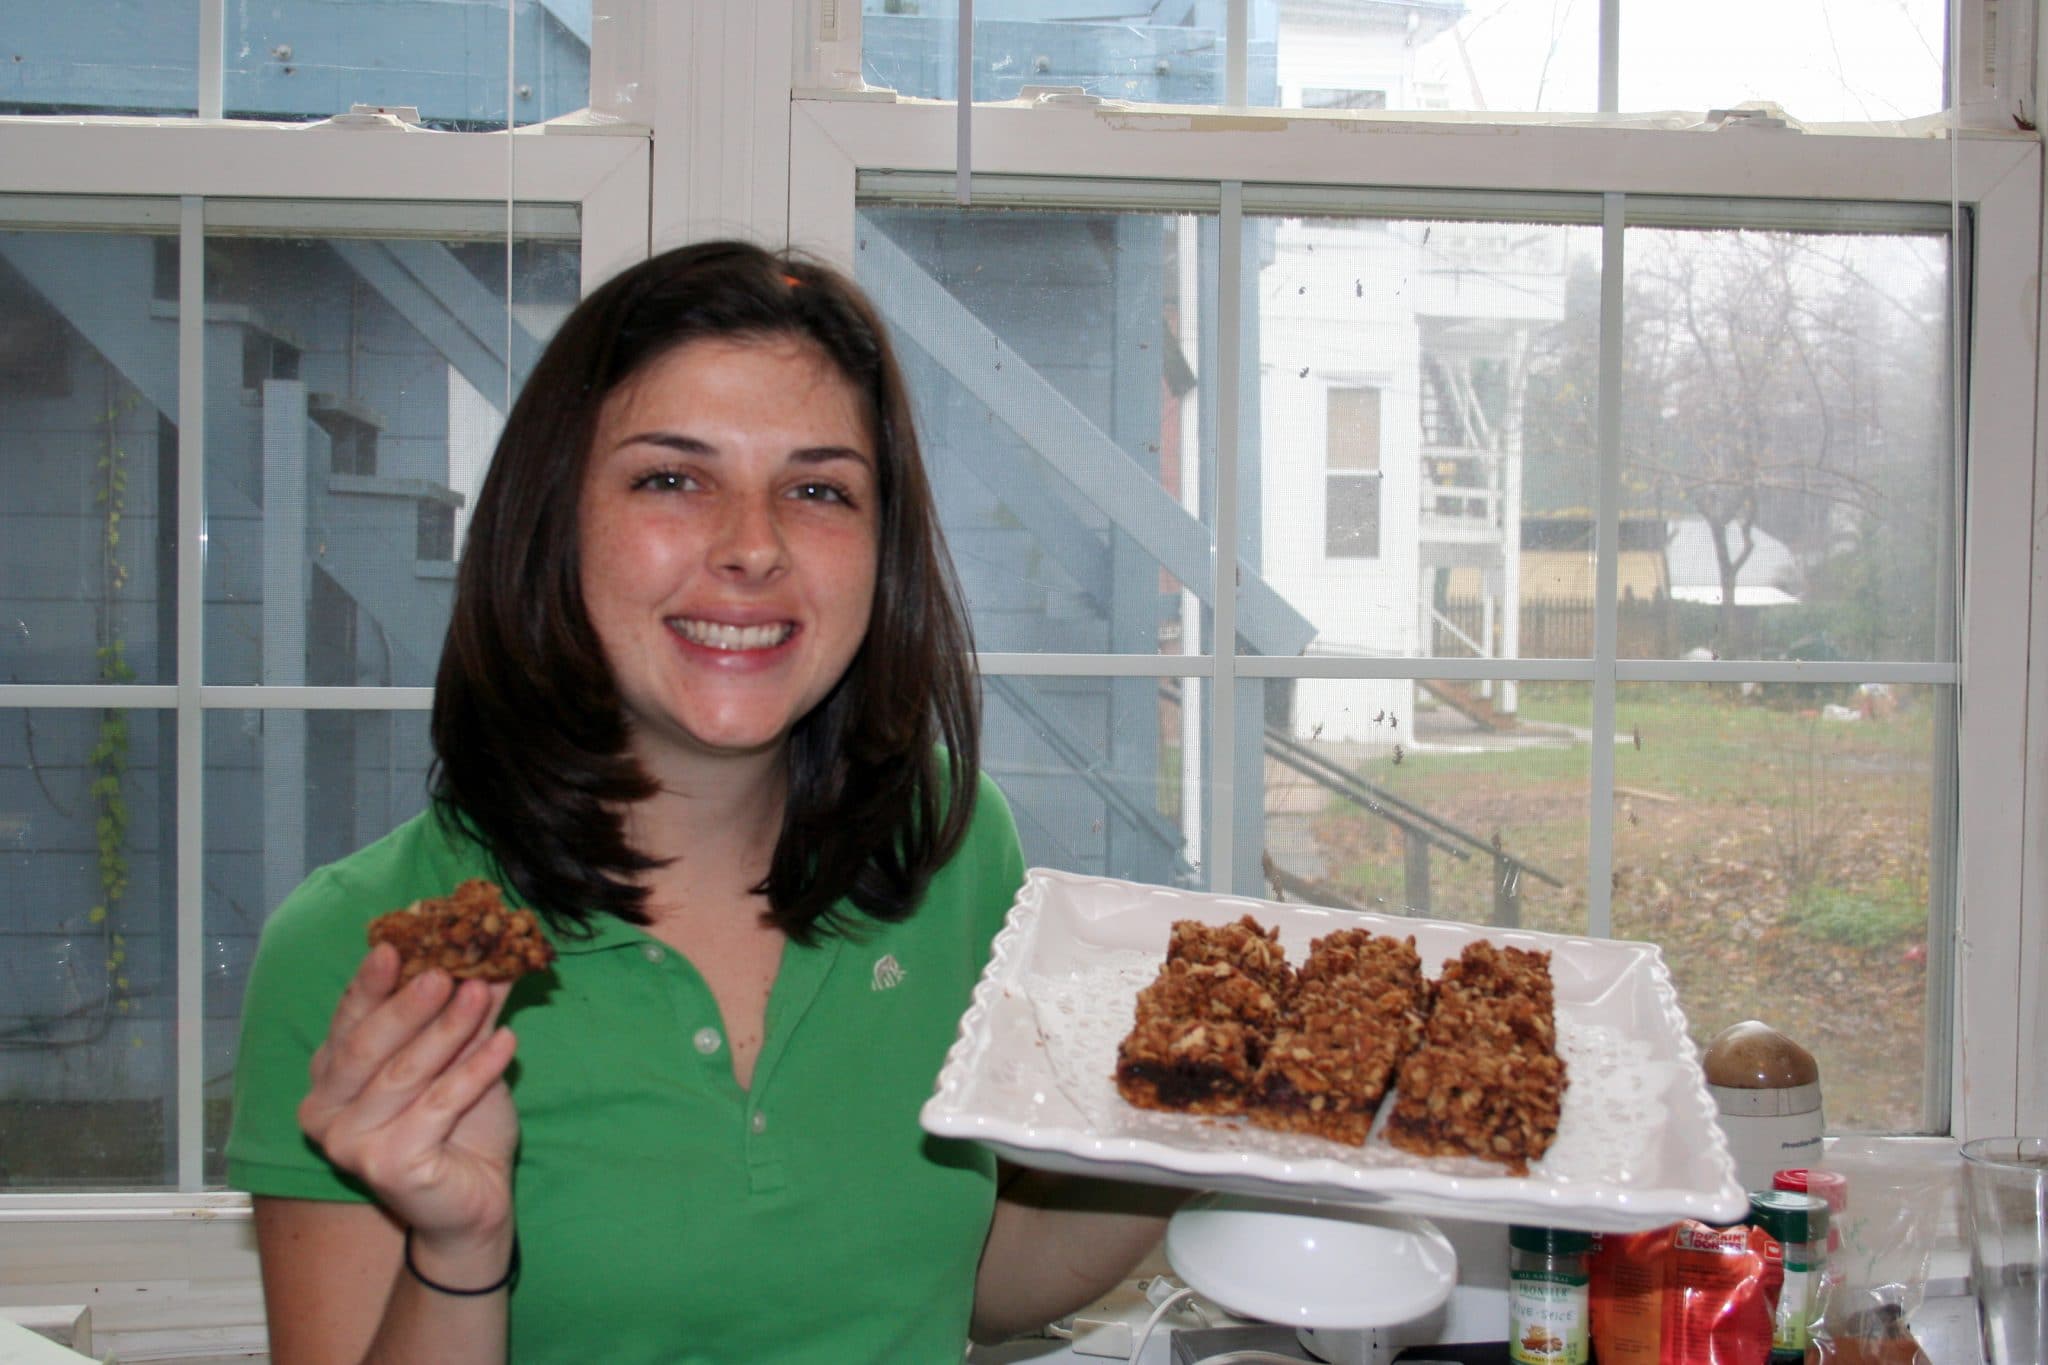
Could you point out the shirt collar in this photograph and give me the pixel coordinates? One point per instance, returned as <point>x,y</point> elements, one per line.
<point>606,932</point>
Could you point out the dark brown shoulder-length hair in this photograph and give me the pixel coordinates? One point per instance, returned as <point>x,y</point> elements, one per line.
<point>530,738</point>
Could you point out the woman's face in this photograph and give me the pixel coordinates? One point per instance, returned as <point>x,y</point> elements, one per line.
<point>729,534</point>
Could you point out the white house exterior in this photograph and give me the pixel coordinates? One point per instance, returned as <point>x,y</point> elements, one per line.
<point>1410,312</point>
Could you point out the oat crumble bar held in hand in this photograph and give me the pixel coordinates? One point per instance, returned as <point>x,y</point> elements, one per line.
<point>468,933</point>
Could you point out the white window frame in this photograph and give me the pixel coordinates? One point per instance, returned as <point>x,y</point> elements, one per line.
<point>1996,1085</point>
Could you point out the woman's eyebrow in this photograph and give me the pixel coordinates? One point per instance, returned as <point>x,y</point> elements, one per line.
<point>691,445</point>
<point>672,440</point>
<point>827,454</point>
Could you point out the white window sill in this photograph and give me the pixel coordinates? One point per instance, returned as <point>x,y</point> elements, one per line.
<point>123,1207</point>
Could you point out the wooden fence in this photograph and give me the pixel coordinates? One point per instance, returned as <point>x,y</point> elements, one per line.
<point>1562,628</point>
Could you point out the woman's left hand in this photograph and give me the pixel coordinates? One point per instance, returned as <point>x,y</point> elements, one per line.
<point>409,1095</point>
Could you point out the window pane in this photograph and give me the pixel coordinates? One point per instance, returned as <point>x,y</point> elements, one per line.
<point>88,972</point>
<point>101,57</point>
<point>1353,426</point>
<point>1517,55</point>
<point>1093,769</point>
<point>309,59</point>
<point>290,60</point>
<point>1389,795</point>
<point>1780,842</point>
<point>1055,361</point>
<point>88,380</point>
<point>1786,434</point>
<point>1478,343</point>
<point>287,792</point>
<point>1351,528</point>
<point>354,396</point>
<point>1821,63</point>
<point>1117,51</point>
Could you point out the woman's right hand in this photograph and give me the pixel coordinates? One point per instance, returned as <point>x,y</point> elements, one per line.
<point>409,1096</point>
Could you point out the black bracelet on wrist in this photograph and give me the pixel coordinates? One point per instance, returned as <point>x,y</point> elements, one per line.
<point>503,1281</point>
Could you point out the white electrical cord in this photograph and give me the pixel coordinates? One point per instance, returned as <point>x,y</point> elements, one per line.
<point>1165,1305</point>
<point>1159,1288</point>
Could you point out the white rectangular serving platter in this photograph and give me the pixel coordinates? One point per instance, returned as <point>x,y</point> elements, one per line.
<point>1031,1073</point>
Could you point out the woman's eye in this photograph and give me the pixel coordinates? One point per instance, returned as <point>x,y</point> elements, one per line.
<point>665,481</point>
<point>822,492</point>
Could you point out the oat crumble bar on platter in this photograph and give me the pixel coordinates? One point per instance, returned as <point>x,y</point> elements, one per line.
<point>1228,1027</point>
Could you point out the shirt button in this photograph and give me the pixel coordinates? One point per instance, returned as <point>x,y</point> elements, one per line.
<point>760,1123</point>
<point>653,952</point>
<point>707,1040</point>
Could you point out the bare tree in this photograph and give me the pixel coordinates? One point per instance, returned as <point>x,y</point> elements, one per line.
<point>1772,382</point>
<point>1765,354</point>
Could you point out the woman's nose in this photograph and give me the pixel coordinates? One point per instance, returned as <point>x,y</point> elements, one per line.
<point>750,541</point>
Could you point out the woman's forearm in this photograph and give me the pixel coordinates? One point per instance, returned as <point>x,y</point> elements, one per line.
<point>1060,1242</point>
<point>337,1292</point>
<point>424,1319</point>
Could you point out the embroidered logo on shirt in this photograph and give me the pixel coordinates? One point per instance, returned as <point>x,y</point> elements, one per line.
<point>888,973</point>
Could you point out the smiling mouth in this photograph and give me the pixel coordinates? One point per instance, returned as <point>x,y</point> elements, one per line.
<point>713,635</point>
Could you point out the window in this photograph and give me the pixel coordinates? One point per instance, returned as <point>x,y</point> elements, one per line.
<point>243,429</point>
<point>335,459</point>
<point>1538,324</point>
<point>1459,782</point>
<point>1351,518</point>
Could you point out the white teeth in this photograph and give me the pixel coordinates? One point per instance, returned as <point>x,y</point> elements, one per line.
<point>712,635</point>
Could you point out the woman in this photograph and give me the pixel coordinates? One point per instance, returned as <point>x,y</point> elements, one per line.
<point>705,704</point>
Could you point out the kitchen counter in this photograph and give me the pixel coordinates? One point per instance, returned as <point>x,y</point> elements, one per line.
<point>1945,1324</point>
<point>1947,1329</point>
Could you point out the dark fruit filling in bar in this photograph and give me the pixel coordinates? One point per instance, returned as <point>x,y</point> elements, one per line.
<point>1200,1031</point>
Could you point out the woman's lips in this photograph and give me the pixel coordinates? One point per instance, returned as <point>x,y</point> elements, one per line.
<point>732,639</point>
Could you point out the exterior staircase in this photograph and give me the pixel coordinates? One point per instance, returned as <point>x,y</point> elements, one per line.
<point>1466,701</point>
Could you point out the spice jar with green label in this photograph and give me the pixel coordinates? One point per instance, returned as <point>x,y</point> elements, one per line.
<point>1799,1223</point>
<point>1548,1319</point>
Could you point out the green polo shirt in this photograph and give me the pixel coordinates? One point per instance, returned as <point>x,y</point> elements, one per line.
<point>664,1213</point>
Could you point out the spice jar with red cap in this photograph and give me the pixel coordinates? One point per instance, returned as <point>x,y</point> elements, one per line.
<point>1830,1186</point>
